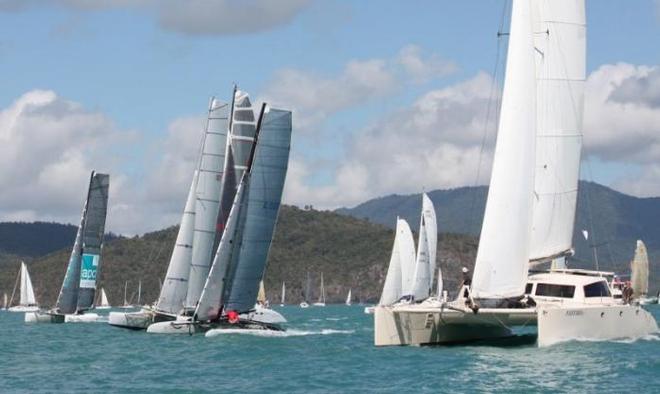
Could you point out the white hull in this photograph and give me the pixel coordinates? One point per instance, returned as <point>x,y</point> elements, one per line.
<point>21,308</point>
<point>425,325</point>
<point>304,305</point>
<point>103,307</point>
<point>319,304</point>
<point>139,320</point>
<point>261,318</point>
<point>84,318</point>
<point>369,310</point>
<point>596,323</point>
<point>43,317</point>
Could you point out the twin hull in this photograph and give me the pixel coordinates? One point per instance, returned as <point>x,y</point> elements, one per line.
<point>426,326</point>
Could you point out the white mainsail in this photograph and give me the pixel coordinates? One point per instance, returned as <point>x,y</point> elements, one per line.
<point>403,249</point>
<point>261,295</point>
<point>174,288</point>
<point>559,28</point>
<point>322,292</point>
<point>207,199</point>
<point>502,258</point>
<point>431,228</point>
<point>420,286</point>
<point>407,258</point>
<point>640,271</point>
<point>5,301</point>
<point>426,251</point>
<point>27,292</point>
<point>348,297</point>
<point>283,298</point>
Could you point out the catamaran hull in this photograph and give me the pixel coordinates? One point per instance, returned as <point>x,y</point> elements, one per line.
<point>259,319</point>
<point>20,308</point>
<point>43,317</point>
<point>82,318</point>
<point>597,323</point>
<point>413,325</point>
<point>137,320</point>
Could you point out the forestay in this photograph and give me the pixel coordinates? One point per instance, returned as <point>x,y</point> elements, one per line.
<point>560,55</point>
<point>503,254</point>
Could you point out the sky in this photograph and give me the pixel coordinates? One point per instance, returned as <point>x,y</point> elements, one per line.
<point>387,97</point>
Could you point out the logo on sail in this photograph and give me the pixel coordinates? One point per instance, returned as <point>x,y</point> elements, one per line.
<point>90,263</point>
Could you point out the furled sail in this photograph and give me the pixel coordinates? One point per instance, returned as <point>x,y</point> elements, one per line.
<point>174,288</point>
<point>264,197</point>
<point>640,271</point>
<point>27,292</point>
<point>207,199</point>
<point>503,254</point>
<point>560,51</point>
<point>92,239</point>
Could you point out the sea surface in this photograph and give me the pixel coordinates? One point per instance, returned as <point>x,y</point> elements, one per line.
<point>326,350</point>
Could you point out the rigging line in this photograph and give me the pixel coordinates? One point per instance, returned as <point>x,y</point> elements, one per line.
<point>489,106</point>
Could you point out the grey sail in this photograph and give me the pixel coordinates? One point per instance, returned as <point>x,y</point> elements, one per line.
<point>92,239</point>
<point>207,199</point>
<point>264,196</point>
<point>67,300</point>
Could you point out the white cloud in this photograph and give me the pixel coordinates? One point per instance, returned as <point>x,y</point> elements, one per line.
<point>315,97</point>
<point>423,69</point>
<point>191,17</point>
<point>48,146</point>
<point>434,143</point>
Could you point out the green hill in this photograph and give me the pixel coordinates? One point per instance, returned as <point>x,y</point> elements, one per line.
<point>614,220</point>
<point>351,253</point>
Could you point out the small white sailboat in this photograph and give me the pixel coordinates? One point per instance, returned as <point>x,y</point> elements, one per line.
<point>5,301</point>
<point>639,268</point>
<point>530,209</point>
<point>283,297</point>
<point>78,291</point>
<point>103,302</point>
<point>27,301</point>
<point>308,288</point>
<point>348,298</point>
<point>126,304</point>
<point>321,301</point>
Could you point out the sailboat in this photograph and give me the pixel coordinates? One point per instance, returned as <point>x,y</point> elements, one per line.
<point>348,298</point>
<point>530,209</point>
<point>200,219</point>
<point>308,288</point>
<point>230,290</point>
<point>639,268</point>
<point>321,301</point>
<point>283,297</point>
<point>27,301</point>
<point>422,280</point>
<point>103,302</point>
<point>5,301</point>
<point>78,290</point>
<point>126,304</point>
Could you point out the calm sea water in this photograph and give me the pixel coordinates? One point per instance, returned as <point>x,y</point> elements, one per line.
<point>326,350</point>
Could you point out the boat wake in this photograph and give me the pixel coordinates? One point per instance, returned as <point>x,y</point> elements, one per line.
<point>273,334</point>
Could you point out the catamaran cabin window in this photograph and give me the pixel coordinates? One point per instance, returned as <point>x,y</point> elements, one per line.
<point>598,289</point>
<point>549,290</point>
<point>528,288</point>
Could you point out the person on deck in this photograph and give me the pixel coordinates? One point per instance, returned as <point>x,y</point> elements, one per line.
<point>467,282</point>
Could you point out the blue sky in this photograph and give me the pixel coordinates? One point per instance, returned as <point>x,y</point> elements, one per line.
<point>139,75</point>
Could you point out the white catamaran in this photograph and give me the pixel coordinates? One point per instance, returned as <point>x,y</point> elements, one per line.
<point>530,210</point>
<point>27,301</point>
<point>79,286</point>
<point>256,164</point>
